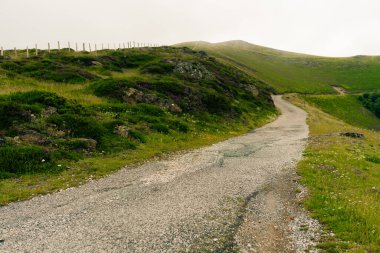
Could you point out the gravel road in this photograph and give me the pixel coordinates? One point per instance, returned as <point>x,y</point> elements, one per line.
<point>234,196</point>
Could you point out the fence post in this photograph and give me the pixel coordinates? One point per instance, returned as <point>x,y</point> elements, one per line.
<point>89,47</point>
<point>84,47</point>
<point>36,52</point>
<point>69,46</point>
<point>49,47</point>
<point>15,52</point>
<point>102,47</point>
<point>123,45</point>
<point>27,52</point>
<point>76,46</point>
<point>59,47</point>
<point>2,51</point>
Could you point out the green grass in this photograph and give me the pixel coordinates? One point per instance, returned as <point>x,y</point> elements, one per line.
<point>87,115</point>
<point>291,72</point>
<point>343,178</point>
<point>347,108</point>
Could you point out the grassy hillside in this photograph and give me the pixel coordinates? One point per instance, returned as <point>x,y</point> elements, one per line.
<point>292,72</point>
<point>343,178</point>
<point>347,108</point>
<point>65,117</point>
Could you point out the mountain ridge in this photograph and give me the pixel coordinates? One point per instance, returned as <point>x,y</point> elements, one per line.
<point>295,72</point>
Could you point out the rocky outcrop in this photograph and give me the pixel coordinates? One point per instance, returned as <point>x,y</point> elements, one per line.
<point>134,96</point>
<point>122,131</point>
<point>192,70</point>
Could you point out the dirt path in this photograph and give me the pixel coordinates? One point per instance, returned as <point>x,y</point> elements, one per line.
<point>340,90</point>
<point>237,195</point>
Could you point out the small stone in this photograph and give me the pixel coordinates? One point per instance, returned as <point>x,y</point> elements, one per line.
<point>175,108</point>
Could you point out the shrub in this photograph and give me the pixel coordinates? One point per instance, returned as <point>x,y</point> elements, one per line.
<point>111,124</point>
<point>160,68</point>
<point>216,104</point>
<point>148,109</point>
<point>11,112</point>
<point>169,87</point>
<point>38,97</point>
<point>24,159</point>
<point>178,126</point>
<point>110,87</point>
<point>159,127</point>
<point>63,75</point>
<point>11,66</point>
<point>76,144</point>
<point>83,60</point>
<point>371,102</point>
<point>79,126</point>
<point>113,144</point>
<point>137,135</point>
<point>48,70</point>
<point>134,60</point>
<point>373,159</point>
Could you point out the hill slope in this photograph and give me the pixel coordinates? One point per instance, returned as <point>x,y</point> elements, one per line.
<point>347,108</point>
<point>67,115</point>
<point>292,72</point>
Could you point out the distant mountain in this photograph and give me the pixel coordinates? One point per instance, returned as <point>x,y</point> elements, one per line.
<point>295,72</point>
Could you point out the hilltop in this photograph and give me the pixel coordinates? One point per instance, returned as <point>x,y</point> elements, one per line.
<point>293,72</point>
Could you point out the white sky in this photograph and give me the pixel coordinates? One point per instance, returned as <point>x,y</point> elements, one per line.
<point>323,27</point>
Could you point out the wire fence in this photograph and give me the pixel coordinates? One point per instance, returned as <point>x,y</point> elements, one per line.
<point>73,47</point>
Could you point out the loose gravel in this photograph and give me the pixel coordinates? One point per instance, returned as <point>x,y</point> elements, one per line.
<point>234,196</point>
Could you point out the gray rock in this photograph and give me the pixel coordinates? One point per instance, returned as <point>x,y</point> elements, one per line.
<point>122,131</point>
<point>35,138</point>
<point>191,70</point>
<point>352,135</point>
<point>174,108</point>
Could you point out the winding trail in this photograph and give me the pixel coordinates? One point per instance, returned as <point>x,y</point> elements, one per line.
<point>237,194</point>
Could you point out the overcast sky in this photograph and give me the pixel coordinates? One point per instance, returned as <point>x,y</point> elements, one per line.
<point>323,27</point>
